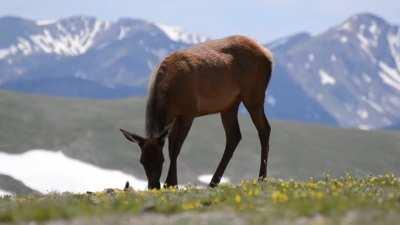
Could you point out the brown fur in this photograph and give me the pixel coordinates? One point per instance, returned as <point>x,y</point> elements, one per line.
<point>208,78</point>
<point>212,77</point>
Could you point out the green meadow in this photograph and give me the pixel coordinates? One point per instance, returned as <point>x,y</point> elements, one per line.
<point>330,200</point>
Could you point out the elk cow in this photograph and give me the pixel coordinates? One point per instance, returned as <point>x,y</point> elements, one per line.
<point>211,77</point>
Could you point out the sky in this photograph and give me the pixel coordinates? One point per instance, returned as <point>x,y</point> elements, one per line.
<point>265,20</point>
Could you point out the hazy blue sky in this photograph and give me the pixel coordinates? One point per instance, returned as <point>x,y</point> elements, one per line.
<point>263,19</point>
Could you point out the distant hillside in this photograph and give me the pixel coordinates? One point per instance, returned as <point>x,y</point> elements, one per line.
<point>352,70</point>
<point>111,55</point>
<point>12,185</point>
<point>88,130</point>
<point>394,127</point>
<point>72,87</point>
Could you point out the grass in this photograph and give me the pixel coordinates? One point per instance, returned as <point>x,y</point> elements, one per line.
<point>330,200</point>
<point>88,130</point>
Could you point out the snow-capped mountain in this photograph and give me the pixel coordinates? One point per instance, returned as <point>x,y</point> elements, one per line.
<point>76,35</point>
<point>352,70</point>
<point>348,75</point>
<point>69,37</point>
<point>180,35</point>
<point>106,57</point>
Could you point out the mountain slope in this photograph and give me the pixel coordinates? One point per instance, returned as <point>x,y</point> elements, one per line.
<point>12,185</point>
<point>114,60</point>
<point>88,130</point>
<point>108,53</point>
<point>347,76</point>
<point>287,101</point>
<point>352,70</point>
<point>72,87</point>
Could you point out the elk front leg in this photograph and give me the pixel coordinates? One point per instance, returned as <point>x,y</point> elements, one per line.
<point>176,138</point>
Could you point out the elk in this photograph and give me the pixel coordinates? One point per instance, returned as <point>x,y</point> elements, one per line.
<point>207,78</point>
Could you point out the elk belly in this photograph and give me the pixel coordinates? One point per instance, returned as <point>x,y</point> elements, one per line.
<point>217,97</point>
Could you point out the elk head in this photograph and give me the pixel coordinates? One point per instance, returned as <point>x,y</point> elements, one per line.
<point>151,157</point>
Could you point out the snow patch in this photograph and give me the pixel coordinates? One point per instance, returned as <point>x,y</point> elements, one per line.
<point>206,178</point>
<point>45,22</point>
<point>326,79</point>
<point>333,58</point>
<point>311,57</point>
<point>64,42</point>
<point>47,171</point>
<point>178,34</point>
<point>24,46</point>
<point>5,193</point>
<point>123,32</point>
<point>364,127</point>
<point>343,39</point>
<point>375,106</point>
<point>374,29</point>
<point>369,41</point>
<point>389,75</point>
<point>394,45</point>
<point>346,26</point>
<point>362,113</point>
<point>5,52</point>
<point>365,45</point>
<point>70,44</point>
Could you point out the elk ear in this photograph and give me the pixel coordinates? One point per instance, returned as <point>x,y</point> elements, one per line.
<point>165,132</point>
<point>132,137</point>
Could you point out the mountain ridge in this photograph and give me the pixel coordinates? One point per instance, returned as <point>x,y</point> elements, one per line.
<point>348,75</point>
<point>351,70</point>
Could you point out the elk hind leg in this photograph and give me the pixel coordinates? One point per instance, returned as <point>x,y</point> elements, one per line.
<point>233,137</point>
<point>263,127</point>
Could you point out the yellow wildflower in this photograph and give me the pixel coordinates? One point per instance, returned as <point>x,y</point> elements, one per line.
<point>190,205</point>
<point>238,199</point>
<point>318,195</point>
<point>279,197</point>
